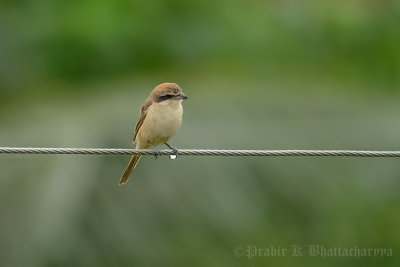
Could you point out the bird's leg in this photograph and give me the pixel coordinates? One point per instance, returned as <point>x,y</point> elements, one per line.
<point>173,149</point>
<point>157,152</point>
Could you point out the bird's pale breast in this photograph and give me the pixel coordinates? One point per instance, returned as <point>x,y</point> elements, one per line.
<point>162,121</point>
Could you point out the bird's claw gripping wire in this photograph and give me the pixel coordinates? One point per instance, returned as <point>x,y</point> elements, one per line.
<point>175,153</point>
<point>157,153</point>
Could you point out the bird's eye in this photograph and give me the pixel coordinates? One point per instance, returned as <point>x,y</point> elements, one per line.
<point>165,97</point>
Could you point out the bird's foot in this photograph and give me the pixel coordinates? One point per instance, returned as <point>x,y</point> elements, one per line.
<point>174,155</point>
<point>157,153</point>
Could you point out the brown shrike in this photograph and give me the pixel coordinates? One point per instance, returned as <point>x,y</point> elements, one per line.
<point>160,119</point>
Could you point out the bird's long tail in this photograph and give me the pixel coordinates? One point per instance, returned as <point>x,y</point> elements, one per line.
<point>131,166</point>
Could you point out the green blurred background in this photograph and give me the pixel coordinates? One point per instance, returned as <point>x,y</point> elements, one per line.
<point>259,75</point>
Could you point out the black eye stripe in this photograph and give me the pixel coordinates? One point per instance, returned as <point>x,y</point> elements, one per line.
<point>164,97</point>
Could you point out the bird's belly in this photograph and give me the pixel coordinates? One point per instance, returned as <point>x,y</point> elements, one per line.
<point>163,129</point>
<point>161,124</point>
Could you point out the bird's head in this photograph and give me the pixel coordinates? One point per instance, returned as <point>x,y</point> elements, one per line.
<point>167,91</point>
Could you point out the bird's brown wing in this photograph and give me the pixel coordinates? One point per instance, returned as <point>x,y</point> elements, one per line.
<point>143,111</point>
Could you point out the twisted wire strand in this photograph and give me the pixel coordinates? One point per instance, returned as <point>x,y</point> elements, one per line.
<point>197,152</point>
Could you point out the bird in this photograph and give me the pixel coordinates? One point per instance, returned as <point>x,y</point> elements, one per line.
<point>160,119</point>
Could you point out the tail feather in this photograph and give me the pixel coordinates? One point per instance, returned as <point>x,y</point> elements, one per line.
<point>131,166</point>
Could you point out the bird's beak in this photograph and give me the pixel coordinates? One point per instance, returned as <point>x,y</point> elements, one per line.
<point>181,96</point>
